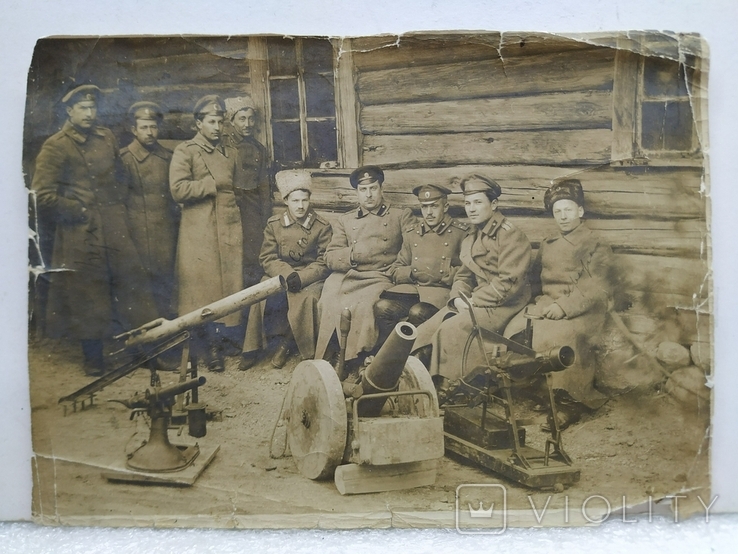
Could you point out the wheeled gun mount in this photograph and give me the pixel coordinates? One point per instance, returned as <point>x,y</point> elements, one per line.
<point>480,416</point>
<point>157,336</point>
<point>382,433</point>
<point>158,454</point>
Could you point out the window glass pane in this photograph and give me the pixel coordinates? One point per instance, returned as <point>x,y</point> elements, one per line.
<point>320,95</point>
<point>666,126</point>
<point>286,141</point>
<point>663,77</point>
<point>317,55</point>
<point>285,100</point>
<point>281,52</point>
<point>321,142</point>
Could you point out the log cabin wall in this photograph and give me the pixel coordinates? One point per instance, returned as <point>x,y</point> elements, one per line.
<point>526,111</point>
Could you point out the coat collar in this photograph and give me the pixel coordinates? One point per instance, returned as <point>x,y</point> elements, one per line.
<point>575,237</point>
<point>381,211</point>
<point>438,229</point>
<point>494,223</point>
<point>140,152</point>
<point>306,223</point>
<point>208,146</point>
<point>72,132</point>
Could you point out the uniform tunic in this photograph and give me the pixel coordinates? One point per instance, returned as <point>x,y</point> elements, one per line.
<point>153,218</point>
<point>571,270</point>
<point>291,246</point>
<point>429,259</point>
<point>209,247</point>
<point>99,286</point>
<point>495,261</point>
<point>363,247</point>
<point>254,199</point>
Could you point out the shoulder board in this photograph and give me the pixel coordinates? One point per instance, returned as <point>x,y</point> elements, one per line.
<point>124,150</point>
<point>320,219</point>
<point>506,225</point>
<point>274,218</point>
<point>410,227</point>
<point>460,225</point>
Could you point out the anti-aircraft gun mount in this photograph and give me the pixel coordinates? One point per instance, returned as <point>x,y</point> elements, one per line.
<point>480,414</point>
<point>180,402</point>
<point>382,432</point>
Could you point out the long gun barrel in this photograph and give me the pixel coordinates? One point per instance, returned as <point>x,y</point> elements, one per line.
<point>160,329</point>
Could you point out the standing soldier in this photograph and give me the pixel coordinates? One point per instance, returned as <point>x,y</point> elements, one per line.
<point>98,286</point>
<point>426,265</point>
<point>152,213</point>
<point>294,247</point>
<point>365,243</point>
<point>209,246</point>
<point>253,194</point>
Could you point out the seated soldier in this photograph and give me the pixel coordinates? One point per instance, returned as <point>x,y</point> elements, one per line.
<point>570,283</point>
<point>365,243</point>
<point>425,266</point>
<point>294,247</point>
<point>495,258</point>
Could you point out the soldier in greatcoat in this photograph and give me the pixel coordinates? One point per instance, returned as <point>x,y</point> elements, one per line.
<point>365,243</point>
<point>209,247</point>
<point>253,193</point>
<point>571,284</point>
<point>294,247</point>
<point>153,216</point>
<point>98,286</point>
<point>495,258</point>
<point>426,265</point>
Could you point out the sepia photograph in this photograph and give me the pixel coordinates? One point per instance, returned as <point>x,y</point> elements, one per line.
<point>439,279</point>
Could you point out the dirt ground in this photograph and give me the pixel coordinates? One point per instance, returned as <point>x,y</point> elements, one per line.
<point>637,445</point>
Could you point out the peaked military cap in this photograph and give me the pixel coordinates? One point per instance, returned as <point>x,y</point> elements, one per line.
<point>571,189</point>
<point>427,194</point>
<point>477,183</point>
<point>366,175</point>
<point>209,105</point>
<point>145,110</point>
<point>81,94</point>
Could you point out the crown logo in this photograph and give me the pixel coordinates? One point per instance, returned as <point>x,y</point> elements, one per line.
<point>481,512</point>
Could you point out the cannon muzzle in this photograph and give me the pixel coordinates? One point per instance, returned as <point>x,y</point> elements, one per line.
<point>385,370</point>
<point>557,359</point>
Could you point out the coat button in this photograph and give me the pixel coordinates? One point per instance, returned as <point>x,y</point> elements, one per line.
<point>354,228</point>
<point>442,257</point>
<point>385,239</point>
<point>354,242</point>
<point>441,271</point>
<point>415,244</point>
<point>415,269</point>
<point>445,244</point>
<point>385,225</point>
<point>416,257</point>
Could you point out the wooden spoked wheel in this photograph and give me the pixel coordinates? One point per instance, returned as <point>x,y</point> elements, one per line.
<point>316,427</point>
<point>414,376</point>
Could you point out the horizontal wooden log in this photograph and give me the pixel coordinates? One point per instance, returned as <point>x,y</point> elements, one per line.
<point>586,147</point>
<point>391,51</point>
<point>182,98</point>
<point>572,110</point>
<point>559,72</point>
<point>189,68</point>
<point>622,192</point>
<point>665,274</point>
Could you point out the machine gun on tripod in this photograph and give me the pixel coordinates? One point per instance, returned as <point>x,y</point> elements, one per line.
<point>480,413</point>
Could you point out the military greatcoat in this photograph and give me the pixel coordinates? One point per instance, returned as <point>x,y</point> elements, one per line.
<point>429,259</point>
<point>363,247</point>
<point>98,286</point>
<point>494,274</point>
<point>572,271</point>
<point>254,199</point>
<point>209,247</point>
<point>293,247</point>
<point>153,218</point>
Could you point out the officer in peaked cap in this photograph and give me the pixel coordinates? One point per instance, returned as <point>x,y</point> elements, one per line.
<point>253,188</point>
<point>426,265</point>
<point>495,257</point>
<point>365,243</point>
<point>202,179</point>
<point>153,215</point>
<point>79,181</point>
